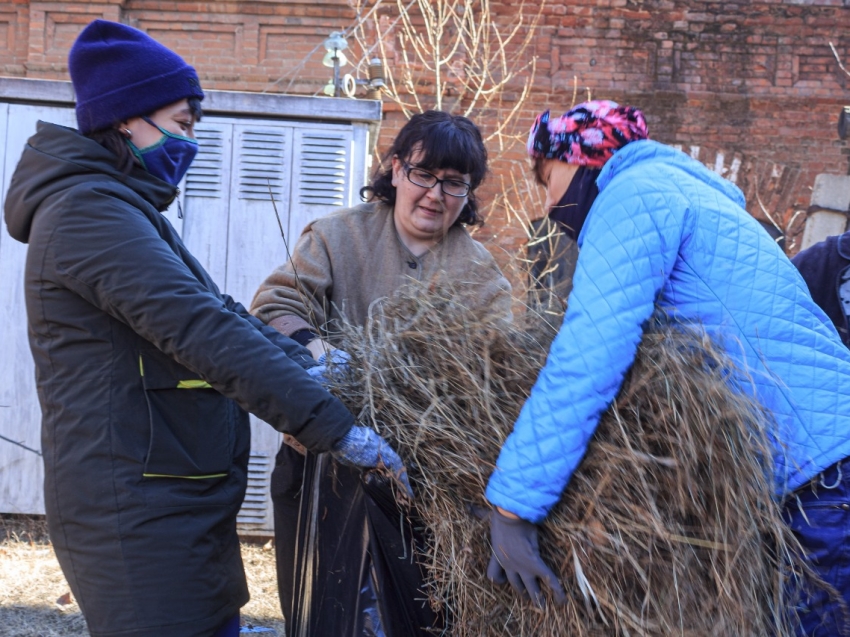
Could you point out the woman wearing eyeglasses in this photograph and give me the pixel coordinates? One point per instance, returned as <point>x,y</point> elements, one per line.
<point>413,227</point>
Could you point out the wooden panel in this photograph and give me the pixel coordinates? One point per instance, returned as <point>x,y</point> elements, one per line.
<point>21,471</point>
<point>263,157</point>
<point>261,163</point>
<point>321,174</point>
<point>256,517</point>
<point>174,212</point>
<point>261,170</point>
<point>360,163</point>
<point>204,178</point>
<point>271,106</point>
<point>36,91</point>
<point>207,197</point>
<point>265,107</point>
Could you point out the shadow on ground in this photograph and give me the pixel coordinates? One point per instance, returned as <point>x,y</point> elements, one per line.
<point>34,621</point>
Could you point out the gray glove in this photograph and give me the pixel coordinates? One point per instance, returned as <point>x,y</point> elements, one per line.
<point>325,371</point>
<point>516,559</point>
<point>362,447</point>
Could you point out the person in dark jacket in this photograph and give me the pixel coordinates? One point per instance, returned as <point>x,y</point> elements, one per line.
<point>144,369</point>
<point>825,267</point>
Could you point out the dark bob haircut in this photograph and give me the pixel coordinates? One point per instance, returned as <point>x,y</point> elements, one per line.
<point>445,141</point>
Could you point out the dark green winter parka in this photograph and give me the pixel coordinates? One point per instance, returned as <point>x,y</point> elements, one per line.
<point>143,371</point>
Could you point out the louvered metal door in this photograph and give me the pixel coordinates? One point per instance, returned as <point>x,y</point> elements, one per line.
<point>207,198</point>
<point>322,182</point>
<point>249,194</point>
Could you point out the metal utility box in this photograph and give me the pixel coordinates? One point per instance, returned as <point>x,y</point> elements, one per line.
<point>310,154</point>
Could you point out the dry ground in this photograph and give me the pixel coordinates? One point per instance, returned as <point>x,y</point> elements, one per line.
<point>35,599</point>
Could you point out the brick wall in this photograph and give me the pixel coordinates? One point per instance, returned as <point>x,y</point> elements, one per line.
<point>754,82</point>
<point>751,87</point>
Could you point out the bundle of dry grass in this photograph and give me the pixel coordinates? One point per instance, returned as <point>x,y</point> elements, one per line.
<point>668,526</point>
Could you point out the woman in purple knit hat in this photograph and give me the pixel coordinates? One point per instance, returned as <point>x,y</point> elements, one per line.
<point>145,371</point>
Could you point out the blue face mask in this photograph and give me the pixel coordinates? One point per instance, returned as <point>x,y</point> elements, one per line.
<point>169,158</point>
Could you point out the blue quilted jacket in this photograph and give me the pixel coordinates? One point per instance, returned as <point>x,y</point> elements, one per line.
<point>665,230</point>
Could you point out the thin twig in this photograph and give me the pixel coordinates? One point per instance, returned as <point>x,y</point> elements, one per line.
<point>20,444</point>
<point>307,302</point>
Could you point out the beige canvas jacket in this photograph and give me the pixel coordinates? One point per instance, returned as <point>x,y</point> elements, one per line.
<point>346,260</point>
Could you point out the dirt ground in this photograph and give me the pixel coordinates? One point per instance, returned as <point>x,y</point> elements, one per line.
<point>35,600</point>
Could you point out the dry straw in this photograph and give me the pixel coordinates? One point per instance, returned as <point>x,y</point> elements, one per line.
<point>668,527</point>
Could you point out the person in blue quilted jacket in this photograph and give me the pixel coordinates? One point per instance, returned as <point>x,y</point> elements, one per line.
<point>659,229</point>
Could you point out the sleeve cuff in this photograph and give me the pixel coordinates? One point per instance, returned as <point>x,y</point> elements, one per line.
<point>303,336</point>
<point>289,324</point>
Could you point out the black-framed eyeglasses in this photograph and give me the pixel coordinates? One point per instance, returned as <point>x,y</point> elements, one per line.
<point>424,179</point>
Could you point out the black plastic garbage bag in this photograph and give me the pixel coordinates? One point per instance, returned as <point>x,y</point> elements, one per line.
<point>356,572</point>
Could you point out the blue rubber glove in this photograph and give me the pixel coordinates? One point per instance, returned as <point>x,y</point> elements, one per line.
<point>362,447</point>
<point>516,559</point>
<point>338,358</point>
<point>326,371</point>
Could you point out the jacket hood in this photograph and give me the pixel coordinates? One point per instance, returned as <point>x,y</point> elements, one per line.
<point>57,158</point>
<point>844,245</point>
<point>647,151</point>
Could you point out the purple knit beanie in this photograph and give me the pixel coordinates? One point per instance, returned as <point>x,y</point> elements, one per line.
<point>119,72</point>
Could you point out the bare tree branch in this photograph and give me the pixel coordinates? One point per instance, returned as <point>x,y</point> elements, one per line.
<point>838,59</point>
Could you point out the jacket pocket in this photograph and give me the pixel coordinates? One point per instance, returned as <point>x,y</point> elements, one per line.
<point>191,424</point>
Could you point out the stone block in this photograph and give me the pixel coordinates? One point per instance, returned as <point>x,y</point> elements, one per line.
<point>821,224</point>
<point>832,192</point>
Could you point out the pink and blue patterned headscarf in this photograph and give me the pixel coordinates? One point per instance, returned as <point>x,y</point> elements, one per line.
<point>588,134</point>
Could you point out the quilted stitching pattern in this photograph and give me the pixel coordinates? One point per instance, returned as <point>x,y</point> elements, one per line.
<point>666,230</point>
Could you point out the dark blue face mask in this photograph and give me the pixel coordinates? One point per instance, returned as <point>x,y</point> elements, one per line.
<point>169,158</point>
